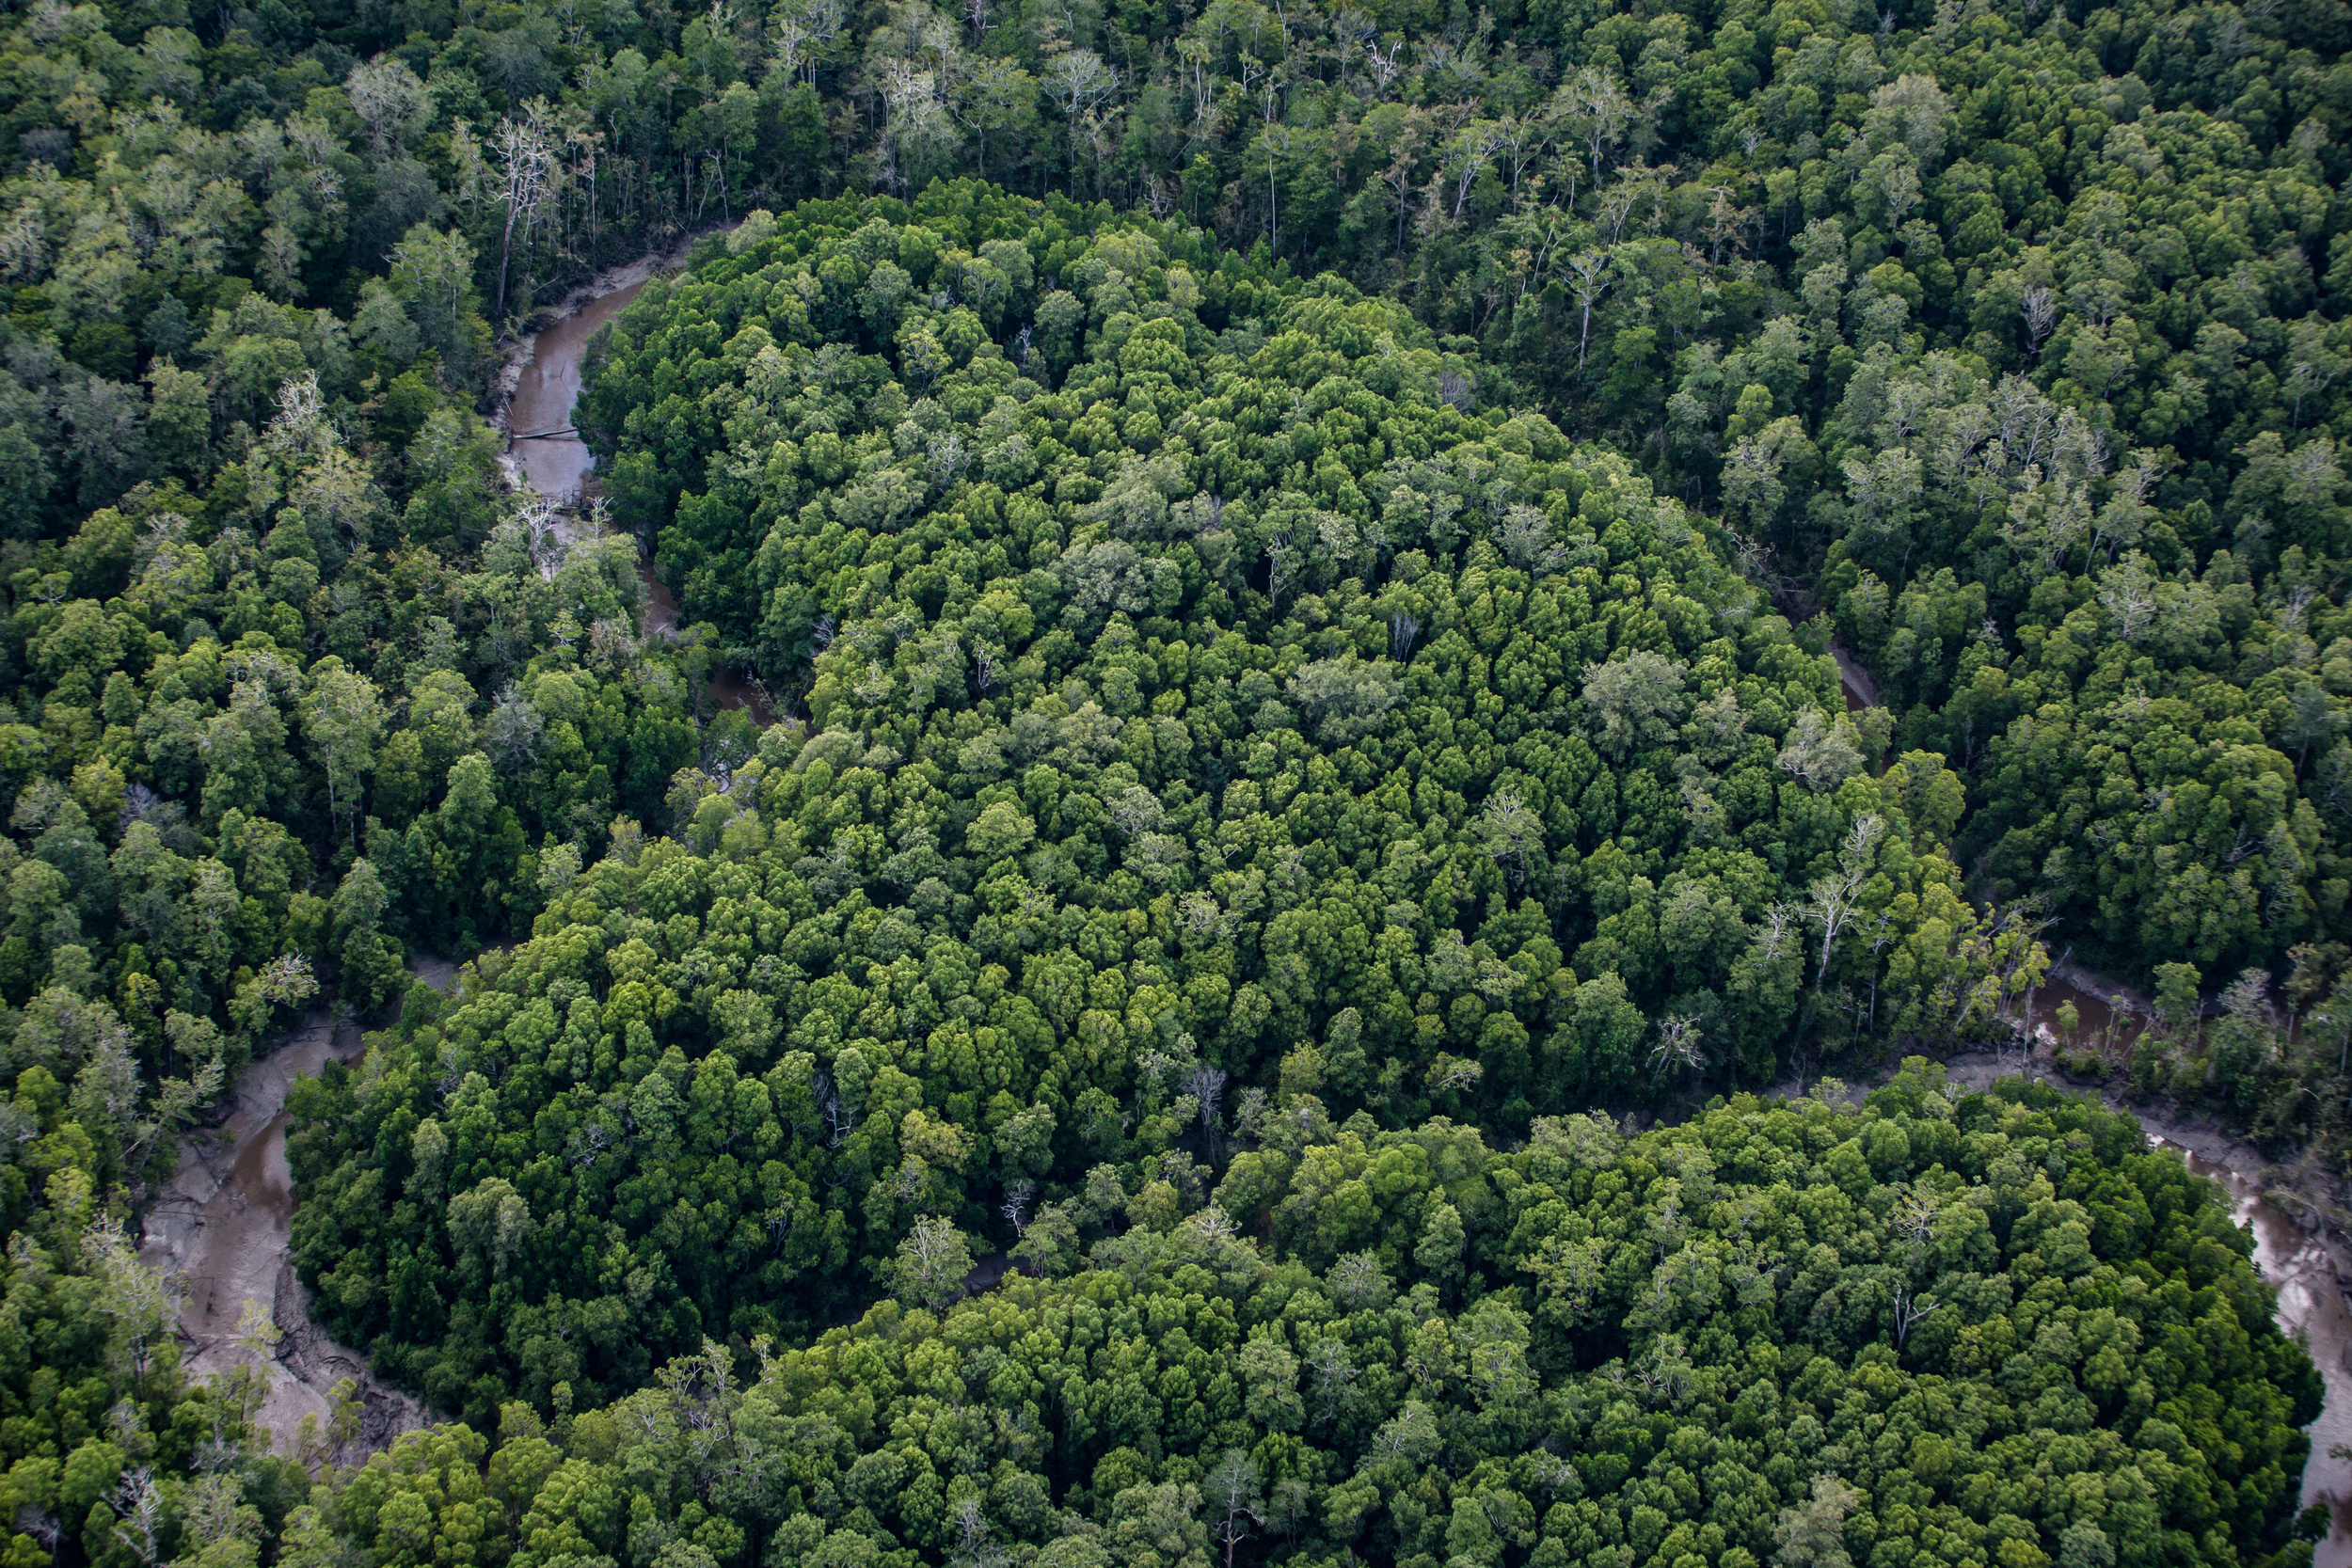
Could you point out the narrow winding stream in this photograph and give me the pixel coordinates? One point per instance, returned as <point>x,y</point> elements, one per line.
<point>224,1225</point>
<point>548,455</point>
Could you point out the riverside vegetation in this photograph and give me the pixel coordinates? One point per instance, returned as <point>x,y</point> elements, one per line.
<point>1306,610</point>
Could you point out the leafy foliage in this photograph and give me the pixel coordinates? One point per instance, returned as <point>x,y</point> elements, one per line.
<point>1983,1329</point>
<point>1096,813</point>
<point>1265,691</point>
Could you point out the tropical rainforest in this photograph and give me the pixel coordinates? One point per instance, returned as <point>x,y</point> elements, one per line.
<point>1385,630</point>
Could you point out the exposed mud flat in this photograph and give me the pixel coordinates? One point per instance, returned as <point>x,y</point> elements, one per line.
<point>2109,1016</point>
<point>225,1226</point>
<point>438,971</point>
<point>1976,1071</point>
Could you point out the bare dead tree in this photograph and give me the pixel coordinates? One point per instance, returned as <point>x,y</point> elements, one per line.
<point>975,1547</point>
<point>1589,269</point>
<point>2041,311</point>
<point>1403,629</point>
<point>1455,1074</point>
<point>526,154</point>
<point>1232,1489</point>
<point>840,1119</point>
<point>1914,1218</point>
<point>1833,906</point>
<point>1678,1046</point>
<point>1909,1309</point>
<point>1016,1205</point>
<point>142,1513</point>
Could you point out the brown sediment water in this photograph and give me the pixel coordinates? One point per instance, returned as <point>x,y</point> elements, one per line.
<point>2311,1310</point>
<point>2100,1023</point>
<point>553,457</point>
<point>553,460</point>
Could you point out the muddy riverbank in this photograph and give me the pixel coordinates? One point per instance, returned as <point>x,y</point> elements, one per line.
<point>2109,1015</point>
<point>223,1225</point>
<point>2312,1307</point>
<point>539,393</point>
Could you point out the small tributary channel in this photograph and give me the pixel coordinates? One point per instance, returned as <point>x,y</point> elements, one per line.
<point>224,1225</point>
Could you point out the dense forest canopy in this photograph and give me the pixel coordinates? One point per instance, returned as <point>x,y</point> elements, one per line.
<point>1301,552</point>
<point>1967,1329</point>
<point>1095,844</point>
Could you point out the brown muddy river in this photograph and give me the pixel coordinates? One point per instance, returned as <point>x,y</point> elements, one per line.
<point>555,461</point>
<point>557,464</point>
<point>225,1226</point>
<point>2099,1024</point>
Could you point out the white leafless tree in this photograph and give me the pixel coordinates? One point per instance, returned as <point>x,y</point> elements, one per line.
<point>1678,1046</point>
<point>1588,281</point>
<point>1207,1085</point>
<point>1909,1309</point>
<point>1233,1496</point>
<point>526,153</point>
<point>140,1513</point>
<point>1833,904</point>
<point>2041,311</point>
